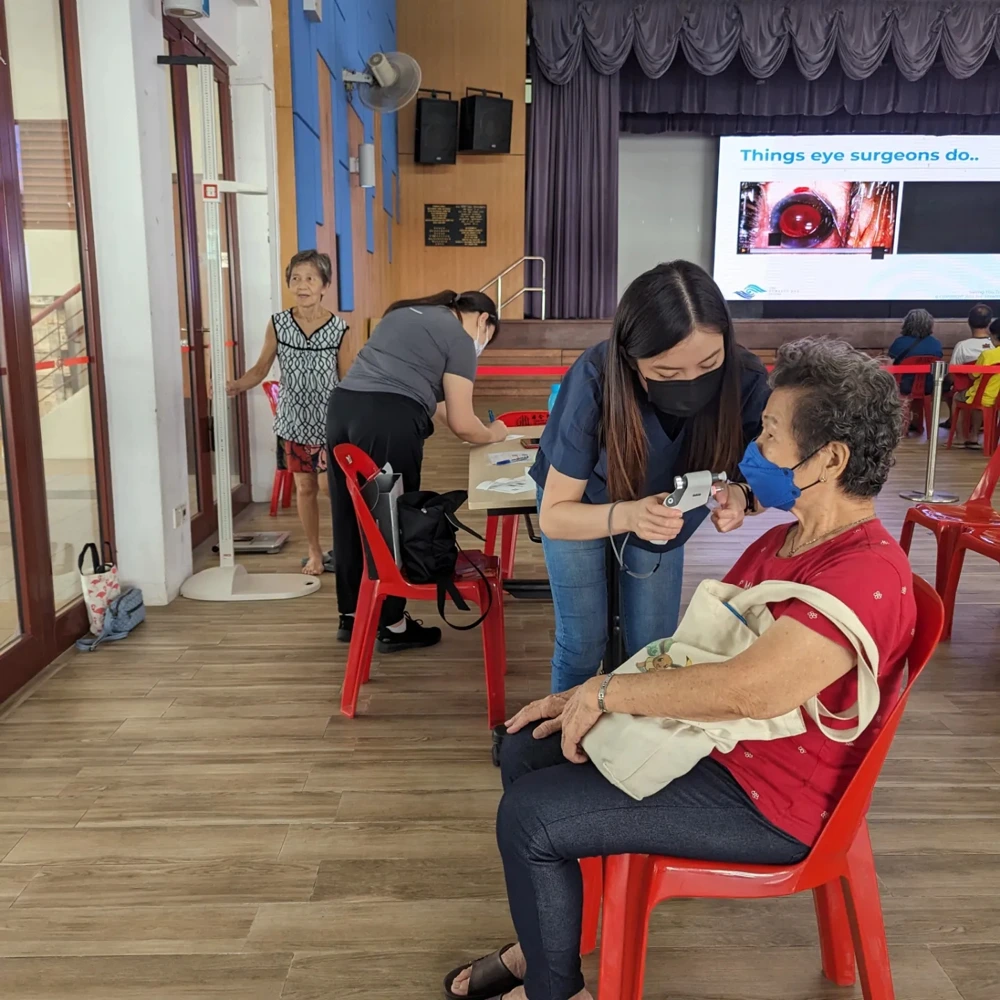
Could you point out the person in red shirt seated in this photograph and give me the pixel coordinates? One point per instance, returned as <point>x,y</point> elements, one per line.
<point>829,432</point>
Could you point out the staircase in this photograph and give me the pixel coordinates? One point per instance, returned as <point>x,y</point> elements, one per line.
<point>60,344</point>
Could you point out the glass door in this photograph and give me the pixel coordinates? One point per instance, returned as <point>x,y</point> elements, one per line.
<point>10,611</point>
<point>195,337</point>
<point>55,483</point>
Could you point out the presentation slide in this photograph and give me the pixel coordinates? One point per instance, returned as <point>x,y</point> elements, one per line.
<point>858,217</point>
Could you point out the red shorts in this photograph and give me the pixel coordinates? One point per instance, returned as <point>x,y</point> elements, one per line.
<point>295,457</point>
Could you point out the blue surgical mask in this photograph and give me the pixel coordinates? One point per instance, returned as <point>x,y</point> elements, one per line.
<point>479,347</point>
<point>773,485</point>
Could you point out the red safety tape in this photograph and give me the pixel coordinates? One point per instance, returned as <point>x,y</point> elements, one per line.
<point>975,369</point>
<point>185,349</point>
<point>42,366</point>
<point>500,371</point>
<point>522,370</point>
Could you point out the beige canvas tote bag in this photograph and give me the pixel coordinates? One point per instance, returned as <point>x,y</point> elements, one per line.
<point>643,755</point>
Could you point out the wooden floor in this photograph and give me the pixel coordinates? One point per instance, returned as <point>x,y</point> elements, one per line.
<point>186,815</point>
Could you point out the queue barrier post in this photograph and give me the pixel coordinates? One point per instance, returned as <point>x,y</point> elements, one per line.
<point>938,370</point>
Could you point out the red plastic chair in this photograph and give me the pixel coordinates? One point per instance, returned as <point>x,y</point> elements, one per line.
<point>947,521</point>
<point>592,870</point>
<point>991,417</point>
<point>986,543</point>
<point>510,522</point>
<point>918,394</point>
<point>383,579</point>
<point>283,479</point>
<point>839,870</point>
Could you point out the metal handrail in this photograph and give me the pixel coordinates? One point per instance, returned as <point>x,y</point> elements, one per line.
<point>498,281</point>
<point>54,305</point>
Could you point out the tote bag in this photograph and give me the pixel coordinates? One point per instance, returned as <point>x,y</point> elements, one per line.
<point>99,583</point>
<point>382,493</point>
<point>643,755</point>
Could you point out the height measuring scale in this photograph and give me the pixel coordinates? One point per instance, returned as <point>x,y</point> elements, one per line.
<point>228,581</point>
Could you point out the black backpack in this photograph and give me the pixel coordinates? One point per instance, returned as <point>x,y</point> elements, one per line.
<point>429,547</point>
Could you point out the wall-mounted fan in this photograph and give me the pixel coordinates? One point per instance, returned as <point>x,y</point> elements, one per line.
<point>390,82</point>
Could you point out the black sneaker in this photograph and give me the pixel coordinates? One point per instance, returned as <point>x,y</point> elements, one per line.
<point>415,637</point>
<point>346,629</point>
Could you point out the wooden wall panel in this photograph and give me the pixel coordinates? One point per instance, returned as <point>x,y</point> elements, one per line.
<point>755,334</point>
<point>372,272</point>
<point>285,136</point>
<point>463,44</point>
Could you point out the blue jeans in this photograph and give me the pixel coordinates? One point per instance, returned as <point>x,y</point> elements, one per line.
<point>553,812</point>
<point>578,578</point>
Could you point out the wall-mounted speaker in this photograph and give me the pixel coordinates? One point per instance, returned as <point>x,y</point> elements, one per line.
<point>436,139</point>
<point>485,123</point>
<point>366,165</point>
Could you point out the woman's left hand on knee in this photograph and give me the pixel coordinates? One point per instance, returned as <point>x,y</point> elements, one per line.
<point>548,710</point>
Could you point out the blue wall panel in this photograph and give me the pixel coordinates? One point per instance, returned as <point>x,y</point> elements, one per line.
<point>351,30</point>
<point>308,174</point>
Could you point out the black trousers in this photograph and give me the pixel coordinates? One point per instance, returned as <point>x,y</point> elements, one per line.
<point>389,428</point>
<point>553,812</point>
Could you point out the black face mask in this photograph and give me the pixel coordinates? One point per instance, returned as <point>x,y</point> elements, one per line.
<point>684,397</point>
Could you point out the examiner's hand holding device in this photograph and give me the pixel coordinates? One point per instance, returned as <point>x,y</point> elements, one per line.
<point>652,521</point>
<point>691,491</point>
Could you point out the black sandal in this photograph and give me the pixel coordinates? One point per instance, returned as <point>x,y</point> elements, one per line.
<point>490,978</point>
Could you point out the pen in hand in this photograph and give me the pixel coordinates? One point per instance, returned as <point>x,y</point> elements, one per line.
<point>491,415</point>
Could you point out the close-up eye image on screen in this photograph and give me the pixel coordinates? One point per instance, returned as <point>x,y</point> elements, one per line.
<point>830,216</point>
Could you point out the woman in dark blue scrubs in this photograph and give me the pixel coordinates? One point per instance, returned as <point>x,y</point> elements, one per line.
<point>670,392</point>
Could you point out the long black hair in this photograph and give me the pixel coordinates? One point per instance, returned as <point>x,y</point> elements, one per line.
<point>464,302</point>
<point>659,310</point>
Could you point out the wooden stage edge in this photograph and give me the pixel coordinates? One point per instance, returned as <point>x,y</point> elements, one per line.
<point>545,343</point>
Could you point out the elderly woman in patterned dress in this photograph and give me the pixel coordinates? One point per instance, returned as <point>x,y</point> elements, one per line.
<point>306,340</point>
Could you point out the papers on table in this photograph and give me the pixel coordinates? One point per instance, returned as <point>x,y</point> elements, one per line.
<point>520,484</point>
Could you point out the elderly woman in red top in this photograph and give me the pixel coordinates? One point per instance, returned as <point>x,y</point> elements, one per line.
<point>829,432</point>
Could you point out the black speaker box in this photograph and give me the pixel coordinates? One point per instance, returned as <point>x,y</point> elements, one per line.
<point>485,124</point>
<point>437,131</point>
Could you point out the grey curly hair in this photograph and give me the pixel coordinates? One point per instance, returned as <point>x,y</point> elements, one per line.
<point>918,323</point>
<point>845,396</point>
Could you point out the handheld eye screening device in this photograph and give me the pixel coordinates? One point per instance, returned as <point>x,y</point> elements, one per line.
<point>693,490</point>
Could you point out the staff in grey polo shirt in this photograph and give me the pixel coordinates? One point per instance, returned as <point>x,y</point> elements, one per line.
<point>419,364</point>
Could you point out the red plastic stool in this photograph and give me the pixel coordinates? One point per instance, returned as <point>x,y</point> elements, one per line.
<point>991,417</point>
<point>509,523</point>
<point>281,492</point>
<point>947,521</point>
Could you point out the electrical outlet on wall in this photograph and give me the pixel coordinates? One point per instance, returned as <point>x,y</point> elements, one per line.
<point>180,514</point>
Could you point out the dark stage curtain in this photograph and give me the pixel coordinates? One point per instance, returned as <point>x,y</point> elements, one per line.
<point>736,102</point>
<point>808,66</point>
<point>572,199</point>
<point>711,33</point>
<point>840,123</point>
